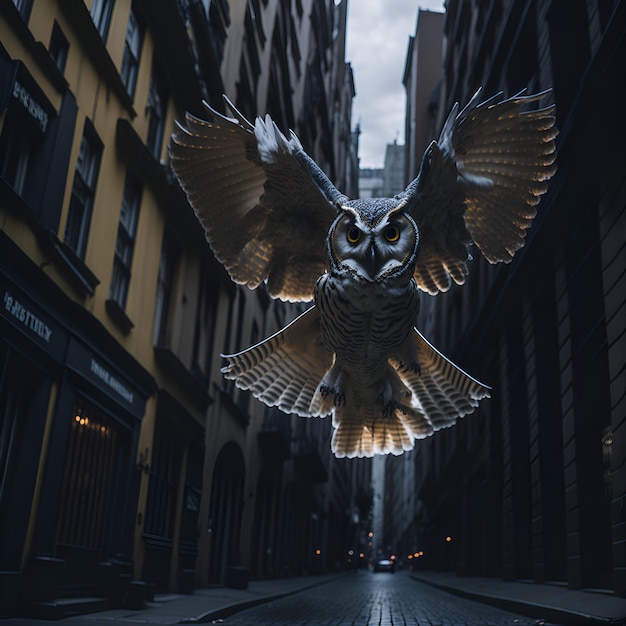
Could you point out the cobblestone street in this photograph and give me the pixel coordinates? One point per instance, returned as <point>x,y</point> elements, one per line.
<point>375,600</point>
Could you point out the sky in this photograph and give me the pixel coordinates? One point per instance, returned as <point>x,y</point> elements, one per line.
<point>376,47</point>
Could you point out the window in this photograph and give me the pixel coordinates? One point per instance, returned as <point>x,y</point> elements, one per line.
<point>35,146</point>
<point>101,11</point>
<point>25,128</point>
<point>125,240</point>
<point>132,52</point>
<point>58,47</point>
<point>254,15</point>
<point>24,7</point>
<point>156,109</point>
<point>165,287</point>
<point>219,20</point>
<point>93,456</point>
<point>17,151</point>
<point>83,192</point>
<point>203,332</point>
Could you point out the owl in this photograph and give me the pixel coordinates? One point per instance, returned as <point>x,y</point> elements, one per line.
<point>272,216</point>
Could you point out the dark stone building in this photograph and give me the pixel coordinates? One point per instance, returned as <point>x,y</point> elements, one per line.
<point>533,485</point>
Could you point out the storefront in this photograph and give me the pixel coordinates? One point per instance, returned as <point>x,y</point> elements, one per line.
<point>71,404</point>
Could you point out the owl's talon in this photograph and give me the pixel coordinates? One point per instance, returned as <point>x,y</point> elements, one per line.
<point>339,396</point>
<point>388,406</point>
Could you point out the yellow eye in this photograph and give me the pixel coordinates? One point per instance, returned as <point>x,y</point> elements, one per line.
<point>392,234</point>
<point>353,235</point>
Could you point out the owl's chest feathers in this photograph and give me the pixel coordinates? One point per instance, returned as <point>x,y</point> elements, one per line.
<point>364,322</point>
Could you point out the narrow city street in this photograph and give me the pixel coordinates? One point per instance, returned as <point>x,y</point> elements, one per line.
<point>362,598</point>
<point>381,599</point>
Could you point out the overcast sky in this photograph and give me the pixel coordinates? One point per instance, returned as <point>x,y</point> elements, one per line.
<point>376,47</point>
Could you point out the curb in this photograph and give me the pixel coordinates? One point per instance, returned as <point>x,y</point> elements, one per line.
<point>230,609</point>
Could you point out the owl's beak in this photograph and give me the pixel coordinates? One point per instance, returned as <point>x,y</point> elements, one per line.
<point>373,261</point>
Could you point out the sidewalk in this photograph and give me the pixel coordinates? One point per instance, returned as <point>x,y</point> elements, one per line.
<point>206,605</point>
<point>552,603</point>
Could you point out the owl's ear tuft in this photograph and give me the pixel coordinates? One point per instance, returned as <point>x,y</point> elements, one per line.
<point>347,209</point>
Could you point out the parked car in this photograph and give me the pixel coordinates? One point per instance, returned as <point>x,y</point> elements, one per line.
<point>385,565</point>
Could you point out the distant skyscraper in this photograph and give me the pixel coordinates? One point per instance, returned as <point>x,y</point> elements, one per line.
<point>393,170</point>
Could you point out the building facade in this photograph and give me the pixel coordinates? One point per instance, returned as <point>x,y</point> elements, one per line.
<point>531,486</point>
<point>124,455</point>
<point>421,79</point>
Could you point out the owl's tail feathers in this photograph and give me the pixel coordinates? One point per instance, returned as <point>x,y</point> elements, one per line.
<point>285,369</point>
<point>356,436</point>
<point>442,392</point>
<point>360,432</point>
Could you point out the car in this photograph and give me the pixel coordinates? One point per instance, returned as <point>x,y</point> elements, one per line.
<point>385,565</point>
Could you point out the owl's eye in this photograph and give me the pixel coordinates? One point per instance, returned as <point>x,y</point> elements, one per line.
<point>392,234</point>
<point>353,235</point>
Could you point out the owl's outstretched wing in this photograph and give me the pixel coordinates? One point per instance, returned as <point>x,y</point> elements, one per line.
<point>442,392</point>
<point>285,369</point>
<point>480,182</point>
<point>265,205</point>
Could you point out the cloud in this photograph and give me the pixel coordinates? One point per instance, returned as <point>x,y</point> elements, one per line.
<point>377,45</point>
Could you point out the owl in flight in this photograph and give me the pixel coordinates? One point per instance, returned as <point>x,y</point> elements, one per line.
<point>271,215</point>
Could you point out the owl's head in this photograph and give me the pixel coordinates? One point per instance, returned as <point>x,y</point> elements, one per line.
<point>373,240</point>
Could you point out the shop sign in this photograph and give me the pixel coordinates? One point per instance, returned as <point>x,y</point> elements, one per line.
<point>95,368</point>
<point>110,381</point>
<point>32,107</point>
<point>30,319</point>
<point>26,318</point>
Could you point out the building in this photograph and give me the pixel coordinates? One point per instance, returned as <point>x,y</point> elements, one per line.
<point>124,455</point>
<point>386,181</point>
<point>531,486</point>
<point>393,170</point>
<point>422,75</point>
<point>371,182</point>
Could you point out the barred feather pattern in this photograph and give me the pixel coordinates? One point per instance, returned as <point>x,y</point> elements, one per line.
<point>371,408</point>
<point>393,386</point>
<point>285,369</point>
<point>271,215</point>
<point>288,369</point>
<point>441,390</point>
<point>241,181</point>
<point>481,182</point>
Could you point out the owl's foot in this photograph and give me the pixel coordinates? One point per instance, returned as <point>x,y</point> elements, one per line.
<point>388,408</point>
<point>339,395</point>
<point>393,395</point>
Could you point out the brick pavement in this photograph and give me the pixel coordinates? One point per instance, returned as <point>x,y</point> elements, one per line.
<point>367,599</point>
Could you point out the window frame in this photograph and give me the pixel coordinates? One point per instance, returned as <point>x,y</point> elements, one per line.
<point>59,47</point>
<point>101,12</point>
<point>24,7</point>
<point>77,240</point>
<point>156,108</point>
<point>126,240</point>
<point>133,44</point>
